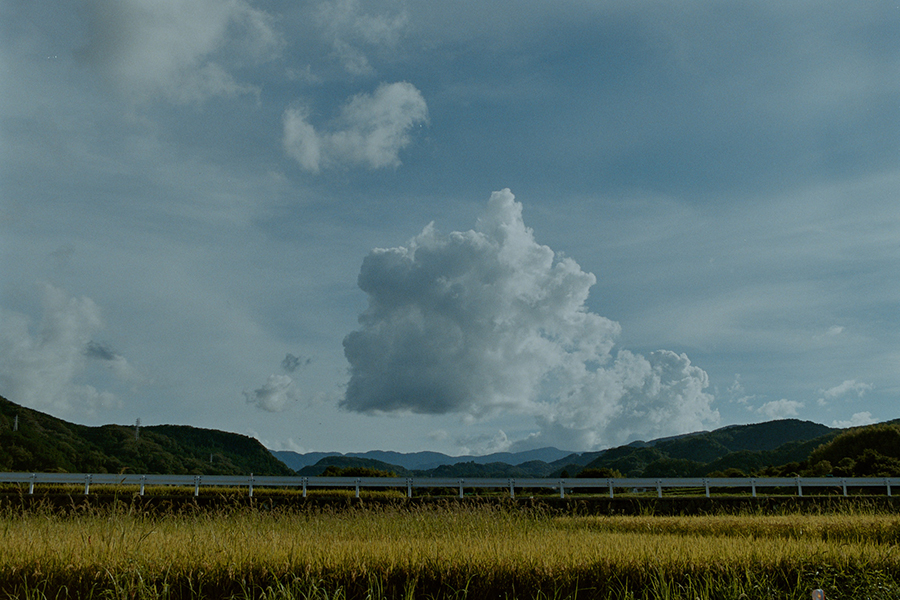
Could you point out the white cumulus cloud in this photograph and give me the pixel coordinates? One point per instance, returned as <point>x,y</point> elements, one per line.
<point>371,130</point>
<point>488,320</point>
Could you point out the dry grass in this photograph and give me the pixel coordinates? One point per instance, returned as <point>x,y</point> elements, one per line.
<point>440,552</point>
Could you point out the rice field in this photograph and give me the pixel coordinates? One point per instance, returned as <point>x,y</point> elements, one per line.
<point>451,550</point>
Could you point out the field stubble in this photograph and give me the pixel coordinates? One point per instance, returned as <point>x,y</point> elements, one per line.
<point>443,551</point>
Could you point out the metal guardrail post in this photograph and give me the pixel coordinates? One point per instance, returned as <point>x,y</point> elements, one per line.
<point>659,488</point>
<point>461,488</point>
<point>844,486</point>
<point>609,483</point>
<point>304,487</point>
<point>409,488</point>
<point>251,485</point>
<point>799,487</point>
<point>31,484</point>
<point>143,481</point>
<point>87,484</point>
<point>196,485</point>
<point>753,487</point>
<point>562,491</point>
<point>357,488</point>
<point>706,485</point>
<point>512,488</point>
<point>887,483</point>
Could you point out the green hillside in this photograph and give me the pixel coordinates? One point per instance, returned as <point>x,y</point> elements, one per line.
<point>743,448</point>
<point>785,448</point>
<point>42,443</point>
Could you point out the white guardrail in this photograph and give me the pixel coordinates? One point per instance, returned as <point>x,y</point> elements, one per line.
<point>410,483</point>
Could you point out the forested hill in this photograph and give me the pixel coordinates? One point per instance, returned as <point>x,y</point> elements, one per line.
<point>786,448</point>
<point>742,447</point>
<point>41,443</point>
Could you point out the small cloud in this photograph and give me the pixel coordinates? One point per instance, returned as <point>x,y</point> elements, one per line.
<point>112,360</point>
<point>780,409</point>
<point>849,386</point>
<point>736,388</point>
<point>304,75</point>
<point>439,435</point>
<point>857,420</point>
<point>41,364</point>
<point>371,130</point>
<point>289,444</point>
<point>480,445</point>
<point>179,49</point>
<point>291,363</point>
<point>737,392</point>
<point>93,399</point>
<point>351,30</point>
<point>831,335</point>
<point>301,141</point>
<point>275,395</point>
<point>99,351</point>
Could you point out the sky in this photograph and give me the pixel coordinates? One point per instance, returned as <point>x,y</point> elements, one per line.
<point>463,227</point>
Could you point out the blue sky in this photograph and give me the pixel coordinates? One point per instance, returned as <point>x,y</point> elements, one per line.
<point>460,226</point>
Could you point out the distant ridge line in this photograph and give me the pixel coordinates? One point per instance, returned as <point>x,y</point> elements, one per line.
<point>424,460</point>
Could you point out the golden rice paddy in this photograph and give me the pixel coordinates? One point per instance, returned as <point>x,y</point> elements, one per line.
<point>454,550</point>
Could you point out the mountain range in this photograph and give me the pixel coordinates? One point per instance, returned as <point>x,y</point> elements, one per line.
<point>32,441</point>
<point>741,447</point>
<point>422,461</point>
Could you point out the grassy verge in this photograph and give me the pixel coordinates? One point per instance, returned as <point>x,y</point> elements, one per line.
<point>442,551</point>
